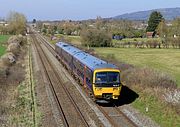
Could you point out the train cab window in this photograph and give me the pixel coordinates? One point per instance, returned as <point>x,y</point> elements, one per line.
<point>107,78</point>
<point>113,77</point>
<point>101,77</point>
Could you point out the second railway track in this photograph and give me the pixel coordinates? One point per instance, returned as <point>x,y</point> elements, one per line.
<point>70,112</point>
<point>115,116</point>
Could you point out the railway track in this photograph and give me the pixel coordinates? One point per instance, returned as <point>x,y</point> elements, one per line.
<point>115,116</point>
<point>68,109</point>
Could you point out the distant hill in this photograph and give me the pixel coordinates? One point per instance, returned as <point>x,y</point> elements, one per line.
<point>168,14</point>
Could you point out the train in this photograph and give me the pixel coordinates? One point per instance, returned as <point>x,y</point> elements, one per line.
<point>100,77</point>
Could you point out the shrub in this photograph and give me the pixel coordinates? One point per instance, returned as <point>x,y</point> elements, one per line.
<point>148,77</point>
<point>95,38</point>
<point>14,48</point>
<point>8,59</point>
<point>3,73</point>
<point>13,39</point>
<point>21,40</point>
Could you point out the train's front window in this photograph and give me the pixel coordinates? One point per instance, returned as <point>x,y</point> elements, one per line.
<point>101,77</point>
<point>113,77</point>
<point>107,78</point>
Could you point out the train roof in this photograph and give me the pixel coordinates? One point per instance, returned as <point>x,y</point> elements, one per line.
<point>68,48</point>
<point>85,58</point>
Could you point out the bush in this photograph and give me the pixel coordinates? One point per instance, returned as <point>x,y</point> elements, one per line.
<point>14,48</point>
<point>13,39</point>
<point>175,42</point>
<point>21,40</point>
<point>147,77</point>
<point>3,73</point>
<point>95,38</point>
<point>8,59</point>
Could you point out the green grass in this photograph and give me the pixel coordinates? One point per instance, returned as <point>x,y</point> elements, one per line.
<point>74,39</point>
<point>2,50</point>
<point>3,39</point>
<point>157,110</point>
<point>165,60</point>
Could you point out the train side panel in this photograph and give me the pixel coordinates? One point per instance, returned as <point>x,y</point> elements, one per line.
<point>89,77</point>
<point>83,73</point>
<point>58,51</point>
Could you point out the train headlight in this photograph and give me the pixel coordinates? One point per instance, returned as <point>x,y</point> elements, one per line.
<point>98,89</point>
<point>115,88</point>
<point>116,85</point>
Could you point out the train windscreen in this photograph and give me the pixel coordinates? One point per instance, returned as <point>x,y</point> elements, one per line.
<point>107,79</point>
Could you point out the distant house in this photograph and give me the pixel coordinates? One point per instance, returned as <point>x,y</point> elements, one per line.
<point>3,23</point>
<point>150,34</point>
<point>118,37</point>
<point>47,24</point>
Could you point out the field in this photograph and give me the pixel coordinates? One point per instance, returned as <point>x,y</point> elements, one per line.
<point>3,38</point>
<point>74,39</point>
<point>165,60</point>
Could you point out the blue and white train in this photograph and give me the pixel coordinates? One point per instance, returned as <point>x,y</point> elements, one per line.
<point>100,77</point>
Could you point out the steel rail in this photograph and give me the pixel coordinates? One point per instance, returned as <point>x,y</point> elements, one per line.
<point>64,87</point>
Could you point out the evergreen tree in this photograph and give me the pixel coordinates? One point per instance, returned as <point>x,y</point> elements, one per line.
<point>34,21</point>
<point>154,20</point>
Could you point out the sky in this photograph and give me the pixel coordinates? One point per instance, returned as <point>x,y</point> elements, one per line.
<point>79,9</point>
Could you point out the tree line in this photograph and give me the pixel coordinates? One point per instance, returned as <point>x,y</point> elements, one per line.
<point>100,32</point>
<point>16,24</point>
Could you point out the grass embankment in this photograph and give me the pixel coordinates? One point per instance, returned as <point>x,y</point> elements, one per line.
<point>164,60</point>
<point>158,110</point>
<point>26,101</point>
<point>3,39</point>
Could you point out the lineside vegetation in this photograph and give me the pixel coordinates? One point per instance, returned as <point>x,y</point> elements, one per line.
<point>149,63</point>
<point>149,75</point>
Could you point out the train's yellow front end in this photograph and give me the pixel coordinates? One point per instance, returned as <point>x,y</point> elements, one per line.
<point>106,84</point>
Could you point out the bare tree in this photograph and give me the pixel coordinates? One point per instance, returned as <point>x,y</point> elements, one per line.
<point>17,23</point>
<point>162,29</point>
<point>176,27</point>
